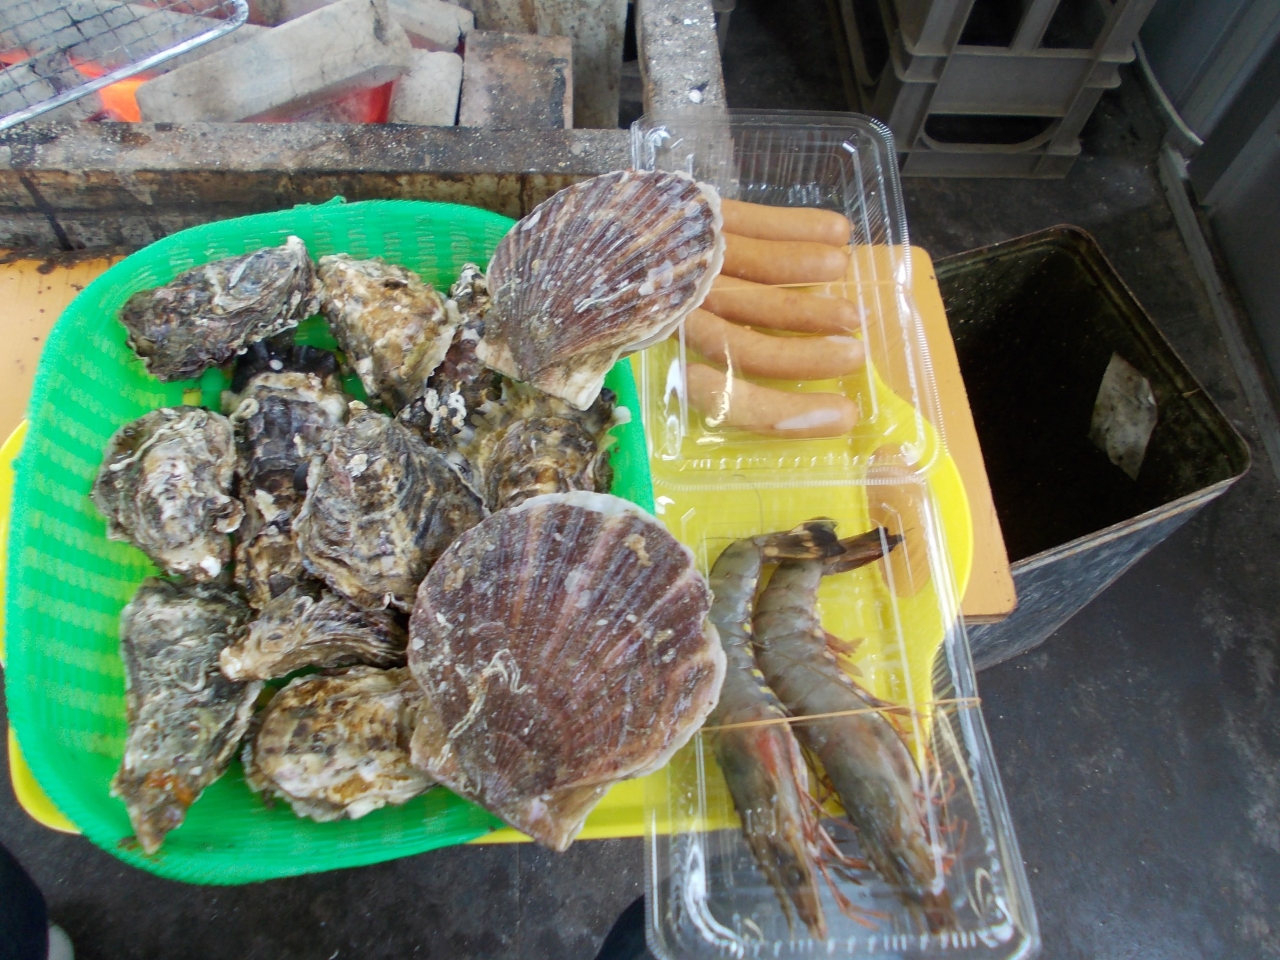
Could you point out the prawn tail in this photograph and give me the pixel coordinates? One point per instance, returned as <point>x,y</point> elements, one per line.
<point>860,550</point>
<point>812,540</point>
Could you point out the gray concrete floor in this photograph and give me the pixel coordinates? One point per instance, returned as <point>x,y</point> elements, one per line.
<point>1140,746</point>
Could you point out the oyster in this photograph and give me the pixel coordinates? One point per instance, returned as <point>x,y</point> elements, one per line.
<point>338,746</point>
<point>185,718</point>
<point>471,293</point>
<point>461,384</point>
<point>282,416</point>
<point>562,645</point>
<point>394,328</point>
<point>528,443</point>
<point>604,267</point>
<point>207,315</point>
<point>310,627</point>
<point>164,487</point>
<point>381,506</point>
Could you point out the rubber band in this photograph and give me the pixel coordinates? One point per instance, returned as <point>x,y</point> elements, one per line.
<point>887,708</point>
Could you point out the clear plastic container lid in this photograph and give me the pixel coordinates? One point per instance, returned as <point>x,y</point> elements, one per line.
<point>895,621</point>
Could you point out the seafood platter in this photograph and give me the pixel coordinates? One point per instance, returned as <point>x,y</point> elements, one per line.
<point>350,531</point>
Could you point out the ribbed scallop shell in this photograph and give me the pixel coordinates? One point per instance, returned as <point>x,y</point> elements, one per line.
<point>602,268</point>
<point>563,645</point>
<point>338,746</point>
<point>381,505</point>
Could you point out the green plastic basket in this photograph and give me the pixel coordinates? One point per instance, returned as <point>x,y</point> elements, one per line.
<point>67,583</point>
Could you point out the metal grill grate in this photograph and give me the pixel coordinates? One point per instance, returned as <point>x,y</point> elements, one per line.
<point>60,50</point>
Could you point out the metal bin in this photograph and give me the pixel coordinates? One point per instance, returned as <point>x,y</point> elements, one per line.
<point>1036,321</point>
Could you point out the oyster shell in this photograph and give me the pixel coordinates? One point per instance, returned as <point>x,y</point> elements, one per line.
<point>381,506</point>
<point>281,416</point>
<point>604,267</point>
<point>543,455</point>
<point>185,718</point>
<point>562,645</point>
<point>461,384</point>
<point>309,627</point>
<point>207,315</point>
<point>338,746</point>
<point>164,486</point>
<point>471,293</point>
<point>394,328</point>
<point>528,443</point>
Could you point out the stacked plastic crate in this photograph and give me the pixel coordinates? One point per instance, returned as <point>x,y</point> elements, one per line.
<point>996,88</point>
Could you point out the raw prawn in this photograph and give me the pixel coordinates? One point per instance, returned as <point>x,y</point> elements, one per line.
<point>762,763</point>
<point>865,758</point>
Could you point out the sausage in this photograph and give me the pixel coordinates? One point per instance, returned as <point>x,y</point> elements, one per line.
<point>763,306</point>
<point>898,508</point>
<point>731,402</point>
<point>765,222</point>
<point>783,261</point>
<point>776,358</point>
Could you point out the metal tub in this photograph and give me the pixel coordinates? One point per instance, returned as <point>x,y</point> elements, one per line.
<point>1036,321</point>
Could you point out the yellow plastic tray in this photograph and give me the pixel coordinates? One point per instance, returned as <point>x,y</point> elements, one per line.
<point>701,519</point>
<point>25,788</point>
<point>620,814</point>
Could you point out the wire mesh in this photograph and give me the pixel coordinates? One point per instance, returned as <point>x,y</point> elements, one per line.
<point>56,51</point>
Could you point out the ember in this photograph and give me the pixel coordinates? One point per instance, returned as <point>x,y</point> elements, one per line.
<point>119,100</point>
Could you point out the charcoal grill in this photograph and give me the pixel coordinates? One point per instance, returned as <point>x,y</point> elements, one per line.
<point>62,50</point>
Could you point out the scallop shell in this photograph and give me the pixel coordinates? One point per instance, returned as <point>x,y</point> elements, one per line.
<point>309,627</point>
<point>164,486</point>
<point>602,268</point>
<point>282,417</point>
<point>185,718</point>
<point>338,746</point>
<point>381,506</point>
<point>562,645</point>
<point>394,328</point>
<point>206,316</point>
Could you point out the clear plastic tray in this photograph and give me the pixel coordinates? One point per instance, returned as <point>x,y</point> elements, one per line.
<point>839,162</point>
<point>706,896</point>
